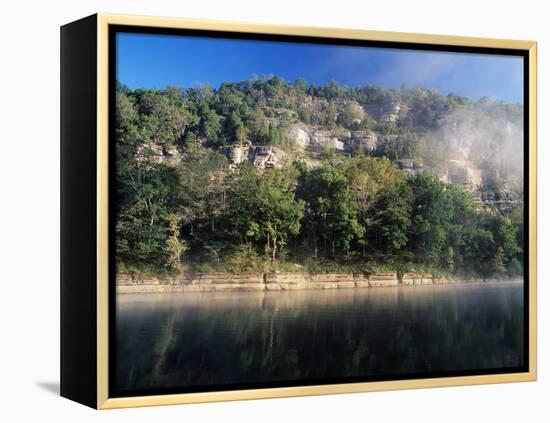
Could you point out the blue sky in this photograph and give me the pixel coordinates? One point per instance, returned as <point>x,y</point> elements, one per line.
<point>156,61</point>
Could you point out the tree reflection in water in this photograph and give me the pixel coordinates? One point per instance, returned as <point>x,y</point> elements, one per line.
<point>182,340</point>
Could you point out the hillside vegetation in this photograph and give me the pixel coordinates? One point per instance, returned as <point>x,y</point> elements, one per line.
<point>267,175</point>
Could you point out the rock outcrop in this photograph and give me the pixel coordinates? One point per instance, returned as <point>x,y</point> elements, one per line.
<point>263,157</point>
<point>364,141</point>
<point>410,167</point>
<point>236,154</point>
<point>299,135</point>
<point>267,157</point>
<point>463,173</point>
<point>383,279</point>
<point>154,153</point>
<point>326,138</point>
<point>283,281</point>
<point>389,112</point>
<point>313,138</point>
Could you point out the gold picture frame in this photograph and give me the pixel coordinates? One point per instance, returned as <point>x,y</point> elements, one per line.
<point>102,22</point>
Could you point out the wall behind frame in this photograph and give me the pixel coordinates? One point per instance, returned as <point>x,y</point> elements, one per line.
<point>30,180</point>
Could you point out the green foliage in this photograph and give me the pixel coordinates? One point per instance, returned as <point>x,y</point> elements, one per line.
<point>351,116</point>
<point>262,209</point>
<point>145,198</point>
<point>332,209</point>
<point>404,146</point>
<point>300,86</point>
<point>392,217</point>
<point>201,193</point>
<point>175,247</point>
<point>209,125</point>
<point>348,213</point>
<point>236,128</point>
<point>432,212</point>
<point>275,136</point>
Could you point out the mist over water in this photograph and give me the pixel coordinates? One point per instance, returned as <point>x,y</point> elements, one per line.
<point>193,340</point>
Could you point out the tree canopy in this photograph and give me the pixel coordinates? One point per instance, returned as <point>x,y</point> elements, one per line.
<point>359,212</point>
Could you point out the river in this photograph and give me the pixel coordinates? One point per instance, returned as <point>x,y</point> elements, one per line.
<point>194,341</point>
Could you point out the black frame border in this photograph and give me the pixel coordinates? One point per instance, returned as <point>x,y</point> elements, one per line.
<point>113,30</point>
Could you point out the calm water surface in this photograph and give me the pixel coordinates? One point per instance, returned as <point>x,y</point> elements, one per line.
<point>200,339</point>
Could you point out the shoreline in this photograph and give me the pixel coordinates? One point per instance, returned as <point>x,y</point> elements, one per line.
<point>283,281</point>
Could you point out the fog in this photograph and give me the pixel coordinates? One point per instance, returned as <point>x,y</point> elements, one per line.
<point>487,135</point>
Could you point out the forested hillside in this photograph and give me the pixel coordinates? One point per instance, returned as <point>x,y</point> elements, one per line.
<point>267,175</point>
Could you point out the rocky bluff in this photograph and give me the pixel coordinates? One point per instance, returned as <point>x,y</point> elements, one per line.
<point>479,152</point>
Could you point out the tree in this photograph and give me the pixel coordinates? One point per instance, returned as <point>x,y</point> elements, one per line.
<point>127,125</point>
<point>478,250</point>
<point>210,124</point>
<point>351,116</point>
<point>393,217</point>
<point>369,177</point>
<point>505,236</point>
<point>201,191</point>
<point>263,209</point>
<point>275,136</point>
<point>498,261</point>
<point>358,209</point>
<point>431,216</point>
<point>145,197</point>
<point>300,86</point>
<point>305,115</point>
<point>331,115</point>
<point>258,126</point>
<point>274,86</point>
<point>263,134</point>
<point>237,130</point>
<point>202,93</point>
<point>281,212</point>
<point>404,146</point>
<point>175,247</point>
<point>332,210</point>
<point>126,113</point>
<point>163,115</point>
<point>332,90</point>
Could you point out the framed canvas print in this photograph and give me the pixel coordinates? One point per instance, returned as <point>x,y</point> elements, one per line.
<point>256,211</point>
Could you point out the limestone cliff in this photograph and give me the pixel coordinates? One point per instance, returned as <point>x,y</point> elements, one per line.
<point>474,146</point>
<point>263,157</point>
